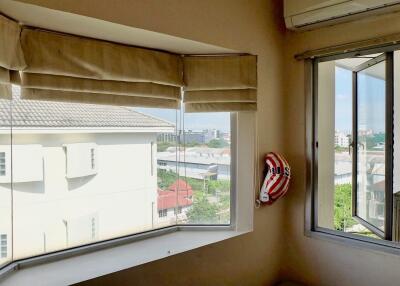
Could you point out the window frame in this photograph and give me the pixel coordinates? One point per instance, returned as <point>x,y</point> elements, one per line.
<point>386,57</point>
<point>198,235</point>
<point>311,229</point>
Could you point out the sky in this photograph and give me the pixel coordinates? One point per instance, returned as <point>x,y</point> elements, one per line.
<point>371,105</point>
<point>193,121</point>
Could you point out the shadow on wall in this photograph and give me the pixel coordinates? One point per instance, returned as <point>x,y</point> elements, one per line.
<point>28,187</point>
<point>76,183</point>
<point>289,283</point>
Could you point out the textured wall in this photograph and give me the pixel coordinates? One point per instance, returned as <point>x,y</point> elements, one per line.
<point>254,259</point>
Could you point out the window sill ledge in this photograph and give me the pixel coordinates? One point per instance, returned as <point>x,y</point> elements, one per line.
<point>355,241</point>
<point>91,265</point>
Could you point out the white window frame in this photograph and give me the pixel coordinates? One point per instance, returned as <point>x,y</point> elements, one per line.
<point>90,261</point>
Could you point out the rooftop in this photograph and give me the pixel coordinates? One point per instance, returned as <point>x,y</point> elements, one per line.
<point>170,199</point>
<point>49,114</point>
<point>198,155</point>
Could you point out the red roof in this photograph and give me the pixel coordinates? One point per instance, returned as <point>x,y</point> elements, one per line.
<point>170,199</point>
<point>181,185</point>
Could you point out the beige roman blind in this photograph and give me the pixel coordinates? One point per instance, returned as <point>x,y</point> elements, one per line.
<point>220,83</point>
<point>62,67</point>
<point>70,68</point>
<point>11,56</point>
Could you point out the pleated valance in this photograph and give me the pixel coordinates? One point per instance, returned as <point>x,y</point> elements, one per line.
<point>11,55</point>
<point>220,83</point>
<point>62,67</point>
<point>64,64</point>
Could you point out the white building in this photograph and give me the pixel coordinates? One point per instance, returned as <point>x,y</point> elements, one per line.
<point>197,162</point>
<point>81,173</point>
<point>174,203</point>
<point>211,134</point>
<point>342,140</point>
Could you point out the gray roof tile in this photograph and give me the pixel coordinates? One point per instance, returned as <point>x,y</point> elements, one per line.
<point>49,114</point>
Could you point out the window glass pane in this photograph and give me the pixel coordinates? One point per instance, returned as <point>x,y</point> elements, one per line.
<point>334,152</point>
<point>166,171</point>
<point>371,145</point>
<point>5,182</point>
<point>205,176</point>
<point>86,173</point>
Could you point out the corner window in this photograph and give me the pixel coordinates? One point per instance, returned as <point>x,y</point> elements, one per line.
<point>81,173</point>
<point>355,145</point>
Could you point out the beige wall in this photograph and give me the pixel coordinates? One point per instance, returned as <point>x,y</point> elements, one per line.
<point>256,27</point>
<point>313,261</point>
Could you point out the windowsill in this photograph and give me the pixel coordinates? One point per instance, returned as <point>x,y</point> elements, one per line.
<point>91,265</point>
<point>355,241</point>
<point>87,262</point>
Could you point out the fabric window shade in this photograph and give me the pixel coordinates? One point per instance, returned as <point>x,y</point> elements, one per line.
<point>5,86</point>
<point>4,75</point>
<point>220,83</point>
<point>96,98</point>
<point>62,64</point>
<point>11,55</point>
<point>65,83</point>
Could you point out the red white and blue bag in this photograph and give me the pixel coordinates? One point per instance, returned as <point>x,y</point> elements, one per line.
<point>277,178</point>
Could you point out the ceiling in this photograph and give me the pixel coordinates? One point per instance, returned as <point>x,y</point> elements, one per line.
<point>60,21</point>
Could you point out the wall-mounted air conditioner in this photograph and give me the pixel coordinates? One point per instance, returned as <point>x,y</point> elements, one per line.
<point>307,14</point>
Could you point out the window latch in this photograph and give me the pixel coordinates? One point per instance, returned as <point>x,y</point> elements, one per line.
<point>351,145</point>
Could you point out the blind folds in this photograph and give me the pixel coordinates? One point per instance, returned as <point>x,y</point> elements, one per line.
<point>54,66</point>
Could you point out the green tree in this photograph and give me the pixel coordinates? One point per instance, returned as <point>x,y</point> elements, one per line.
<point>217,143</point>
<point>166,178</point>
<point>162,146</point>
<point>342,207</point>
<point>202,211</point>
<point>222,186</point>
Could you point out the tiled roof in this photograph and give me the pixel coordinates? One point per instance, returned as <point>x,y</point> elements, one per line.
<point>180,185</point>
<point>49,114</point>
<point>170,199</point>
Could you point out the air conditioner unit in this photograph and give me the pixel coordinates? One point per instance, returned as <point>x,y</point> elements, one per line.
<point>307,14</point>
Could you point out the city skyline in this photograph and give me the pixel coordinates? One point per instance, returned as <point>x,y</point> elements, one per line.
<point>193,121</point>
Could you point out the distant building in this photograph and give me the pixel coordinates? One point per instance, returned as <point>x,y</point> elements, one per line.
<point>166,137</point>
<point>193,137</point>
<point>342,140</point>
<point>200,162</point>
<point>226,136</point>
<point>81,173</point>
<point>211,134</point>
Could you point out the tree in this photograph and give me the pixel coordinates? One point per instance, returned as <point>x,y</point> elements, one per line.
<point>166,178</point>
<point>162,146</point>
<point>342,207</point>
<point>202,211</point>
<point>222,186</point>
<point>217,143</point>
